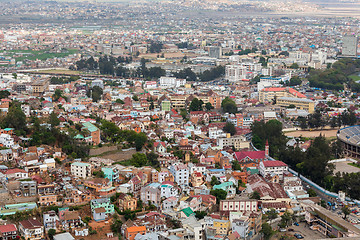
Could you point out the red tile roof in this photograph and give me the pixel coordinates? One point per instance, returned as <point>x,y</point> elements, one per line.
<point>274,164</point>
<point>250,154</point>
<point>8,228</point>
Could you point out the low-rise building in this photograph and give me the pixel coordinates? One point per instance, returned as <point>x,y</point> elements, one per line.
<point>31,229</point>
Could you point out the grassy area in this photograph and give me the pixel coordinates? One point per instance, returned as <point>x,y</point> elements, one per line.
<point>354,165</point>
<point>355,77</point>
<point>21,55</point>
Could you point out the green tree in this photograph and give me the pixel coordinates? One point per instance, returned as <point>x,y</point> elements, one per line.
<point>294,66</point>
<point>255,195</point>
<point>196,105</point>
<point>230,128</point>
<point>346,211</point>
<point>51,233</point>
<point>272,214</point>
<point>95,93</point>
<point>208,106</point>
<point>200,214</point>
<point>266,230</point>
<point>236,165</point>
<point>139,159</point>
<point>311,192</point>
<point>219,194</point>
<point>228,105</point>
<point>15,118</point>
<point>53,119</point>
<point>214,181</point>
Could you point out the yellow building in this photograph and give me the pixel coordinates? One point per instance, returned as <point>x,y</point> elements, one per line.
<point>301,103</point>
<point>268,94</point>
<point>221,226</point>
<point>178,101</point>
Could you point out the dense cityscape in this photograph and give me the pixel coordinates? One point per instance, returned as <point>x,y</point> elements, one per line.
<point>179,120</point>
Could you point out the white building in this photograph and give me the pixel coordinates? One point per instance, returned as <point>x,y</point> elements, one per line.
<point>50,219</point>
<point>171,82</point>
<point>167,190</point>
<point>276,167</point>
<point>235,73</point>
<point>6,140</point>
<point>98,82</point>
<point>81,170</point>
<point>181,174</point>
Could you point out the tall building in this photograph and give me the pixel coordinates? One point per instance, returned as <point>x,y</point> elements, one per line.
<point>350,46</point>
<point>215,52</point>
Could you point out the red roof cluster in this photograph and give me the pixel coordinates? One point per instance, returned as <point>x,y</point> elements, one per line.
<point>250,154</point>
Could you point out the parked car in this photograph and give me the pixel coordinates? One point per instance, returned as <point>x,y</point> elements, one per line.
<point>290,229</point>
<point>296,224</point>
<point>298,236</point>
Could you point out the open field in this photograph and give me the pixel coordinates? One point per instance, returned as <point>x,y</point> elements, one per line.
<point>328,133</point>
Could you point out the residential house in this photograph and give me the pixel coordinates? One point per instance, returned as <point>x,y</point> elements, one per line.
<point>228,187</point>
<point>8,232</point>
<point>180,173</point>
<point>131,232</point>
<point>81,169</point>
<point>51,220</point>
<point>31,229</point>
<point>127,202</point>
<point>196,179</point>
<point>102,202</point>
<point>151,193</point>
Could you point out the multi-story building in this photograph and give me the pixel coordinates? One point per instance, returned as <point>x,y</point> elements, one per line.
<point>151,193</point>
<point>47,200</point>
<point>180,172</point>
<point>8,232</point>
<point>50,220</point>
<point>81,169</point>
<point>102,203</point>
<point>301,103</point>
<point>31,229</point>
<point>127,202</point>
<point>168,190</point>
<point>328,223</point>
<point>94,133</point>
<point>131,232</point>
<point>238,205</point>
<point>28,188</point>
<point>238,142</point>
<point>269,94</point>
<point>273,167</point>
<point>171,82</point>
<point>350,44</point>
<point>111,173</point>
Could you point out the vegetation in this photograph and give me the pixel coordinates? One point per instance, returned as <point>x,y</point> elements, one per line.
<point>267,231</point>
<point>255,195</point>
<point>141,159</point>
<point>335,77</point>
<point>229,128</point>
<point>209,75</point>
<point>228,105</point>
<point>95,93</point>
<point>219,194</point>
<point>196,105</point>
<point>112,133</point>
<point>200,214</point>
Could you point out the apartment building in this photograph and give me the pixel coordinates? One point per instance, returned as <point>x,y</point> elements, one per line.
<point>301,103</point>
<point>81,169</point>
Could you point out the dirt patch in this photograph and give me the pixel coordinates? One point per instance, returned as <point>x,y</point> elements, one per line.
<point>102,150</point>
<point>328,133</point>
<point>119,155</point>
